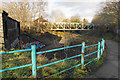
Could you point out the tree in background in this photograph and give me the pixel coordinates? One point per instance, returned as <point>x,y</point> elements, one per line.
<point>108,17</point>
<point>24,11</point>
<point>65,20</point>
<point>76,19</point>
<point>85,21</point>
<point>109,13</point>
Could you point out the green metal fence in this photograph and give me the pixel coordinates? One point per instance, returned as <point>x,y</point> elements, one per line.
<point>34,54</point>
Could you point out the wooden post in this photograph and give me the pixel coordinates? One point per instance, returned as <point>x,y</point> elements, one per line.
<point>82,57</point>
<point>34,67</point>
<point>98,54</point>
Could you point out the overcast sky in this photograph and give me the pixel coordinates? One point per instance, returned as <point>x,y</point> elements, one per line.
<point>83,8</point>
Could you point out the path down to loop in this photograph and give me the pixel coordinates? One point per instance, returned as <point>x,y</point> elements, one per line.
<point>109,69</point>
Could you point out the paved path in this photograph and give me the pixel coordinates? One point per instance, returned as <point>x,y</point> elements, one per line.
<point>110,67</point>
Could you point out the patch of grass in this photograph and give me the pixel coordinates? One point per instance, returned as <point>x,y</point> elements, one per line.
<point>117,39</point>
<point>93,65</point>
<point>14,60</point>
<point>42,60</point>
<point>104,53</point>
<point>107,37</point>
<point>19,59</point>
<point>80,36</point>
<point>49,70</point>
<point>79,73</point>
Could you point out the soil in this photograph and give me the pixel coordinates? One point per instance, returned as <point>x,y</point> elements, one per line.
<point>52,41</point>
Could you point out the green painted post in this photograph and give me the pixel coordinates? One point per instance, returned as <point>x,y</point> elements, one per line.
<point>101,50</point>
<point>98,54</point>
<point>33,55</point>
<point>103,44</point>
<point>82,57</point>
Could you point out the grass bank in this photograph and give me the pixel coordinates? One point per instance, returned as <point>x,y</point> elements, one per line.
<point>18,59</point>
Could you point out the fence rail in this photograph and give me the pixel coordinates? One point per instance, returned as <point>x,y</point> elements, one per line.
<point>34,53</point>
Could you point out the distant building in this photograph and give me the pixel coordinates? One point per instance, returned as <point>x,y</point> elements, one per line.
<point>41,24</point>
<point>39,20</point>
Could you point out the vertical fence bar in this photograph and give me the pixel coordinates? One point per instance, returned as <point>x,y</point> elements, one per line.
<point>33,55</point>
<point>101,50</point>
<point>98,54</point>
<point>103,44</point>
<point>82,57</point>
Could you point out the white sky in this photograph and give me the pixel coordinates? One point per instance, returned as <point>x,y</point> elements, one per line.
<point>83,8</point>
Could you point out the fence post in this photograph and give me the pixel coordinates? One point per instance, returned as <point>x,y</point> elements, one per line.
<point>98,54</point>
<point>33,55</point>
<point>101,49</point>
<point>82,57</point>
<point>103,43</point>
<point>102,46</point>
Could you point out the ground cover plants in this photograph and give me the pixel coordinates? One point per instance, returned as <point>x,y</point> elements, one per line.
<point>19,59</point>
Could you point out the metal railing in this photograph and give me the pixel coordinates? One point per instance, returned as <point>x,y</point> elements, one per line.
<point>34,53</point>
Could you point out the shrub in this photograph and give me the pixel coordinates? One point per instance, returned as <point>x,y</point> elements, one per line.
<point>42,60</point>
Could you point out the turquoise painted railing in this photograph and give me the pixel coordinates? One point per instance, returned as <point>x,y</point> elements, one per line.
<point>34,53</point>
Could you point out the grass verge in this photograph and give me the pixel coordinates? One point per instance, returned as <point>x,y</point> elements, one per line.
<point>19,59</point>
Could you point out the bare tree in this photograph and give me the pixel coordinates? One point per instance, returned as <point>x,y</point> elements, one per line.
<point>24,11</point>
<point>109,13</point>
<point>108,17</point>
<point>65,20</point>
<point>75,19</point>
